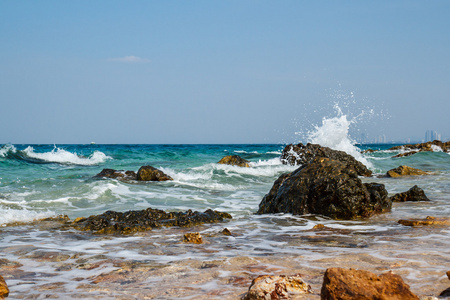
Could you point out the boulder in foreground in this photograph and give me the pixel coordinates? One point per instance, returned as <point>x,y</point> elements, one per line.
<point>234,160</point>
<point>4,290</point>
<point>405,171</point>
<point>301,154</point>
<point>413,194</point>
<point>132,221</point>
<point>277,287</point>
<point>326,187</point>
<point>347,284</point>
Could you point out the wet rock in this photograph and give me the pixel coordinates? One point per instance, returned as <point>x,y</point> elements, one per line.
<point>142,220</point>
<point>4,290</point>
<point>193,238</point>
<point>226,231</point>
<point>326,187</point>
<point>149,173</point>
<point>428,146</point>
<point>117,174</point>
<point>428,221</point>
<point>301,154</point>
<point>413,194</point>
<point>349,284</point>
<point>277,287</point>
<point>405,154</point>
<point>234,160</point>
<point>445,294</point>
<point>448,274</point>
<point>405,171</point>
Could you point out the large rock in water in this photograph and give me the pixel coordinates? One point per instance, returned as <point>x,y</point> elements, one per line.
<point>143,220</point>
<point>326,187</point>
<point>117,174</point>
<point>349,284</point>
<point>413,194</point>
<point>405,171</point>
<point>301,154</point>
<point>234,160</point>
<point>149,173</point>
<point>428,146</point>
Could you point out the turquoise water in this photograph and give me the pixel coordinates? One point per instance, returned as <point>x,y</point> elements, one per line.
<point>39,181</point>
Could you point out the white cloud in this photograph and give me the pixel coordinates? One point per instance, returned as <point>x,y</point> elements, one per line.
<point>130,59</point>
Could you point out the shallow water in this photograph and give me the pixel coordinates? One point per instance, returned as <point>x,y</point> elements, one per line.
<point>40,259</point>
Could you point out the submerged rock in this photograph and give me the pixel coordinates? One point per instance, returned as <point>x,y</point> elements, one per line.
<point>405,171</point>
<point>145,173</point>
<point>277,287</point>
<point>4,290</point>
<point>301,154</point>
<point>326,187</point>
<point>142,220</point>
<point>117,174</point>
<point>428,221</point>
<point>234,160</point>
<point>149,173</point>
<point>193,238</point>
<point>413,194</point>
<point>339,283</point>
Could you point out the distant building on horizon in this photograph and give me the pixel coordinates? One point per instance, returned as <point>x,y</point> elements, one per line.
<point>431,135</point>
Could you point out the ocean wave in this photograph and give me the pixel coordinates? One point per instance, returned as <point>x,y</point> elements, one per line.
<point>10,215</point>
<point>57,155</point>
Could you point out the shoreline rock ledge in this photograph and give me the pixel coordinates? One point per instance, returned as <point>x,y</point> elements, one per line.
<point>327,187</point>
<point>302,154</point>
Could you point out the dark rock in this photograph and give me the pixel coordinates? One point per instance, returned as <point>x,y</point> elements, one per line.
<point>349,284</point>
<point>149,173</point>
<point>413,194</point>
<point>4,290</point>
<point>142,220</point>
<point>117,174</point>
<point>234,160</point>
<point>326,187</point>
<point>445,294</point>
<point>428,221</point>
<point>424,146</point>
<point>277,287</point>
<point>448,274</point>
<point>405,171</point>
<point>300,154</point>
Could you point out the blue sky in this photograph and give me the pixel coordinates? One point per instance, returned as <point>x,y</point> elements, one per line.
<point>220,71</point>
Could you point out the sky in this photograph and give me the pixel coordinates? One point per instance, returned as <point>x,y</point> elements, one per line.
<point>157,72</point>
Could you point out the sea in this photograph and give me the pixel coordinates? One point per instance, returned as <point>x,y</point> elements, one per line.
<point>42,259</point>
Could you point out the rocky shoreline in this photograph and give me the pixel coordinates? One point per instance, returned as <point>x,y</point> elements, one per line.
<point>327,183</point>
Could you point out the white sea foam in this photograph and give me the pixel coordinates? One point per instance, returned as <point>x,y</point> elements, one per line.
<point>62,156</point>
<point>334,133</point>
<point>9,215</point>
<point>7,148</point>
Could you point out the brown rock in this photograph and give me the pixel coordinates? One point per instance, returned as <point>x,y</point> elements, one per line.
<point>226,231</point>
<point>424,146</point>
<point>413,194</point>
<point>349,284</point>
<point>4,290</point>
<point>149,173</point>
<point>405,154</point>
<point>428,221</point>
<point>277,287</point>
<point>448,274</point>
<point>234,160</point>
<point>193,238</point>
<point>405,171</point>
